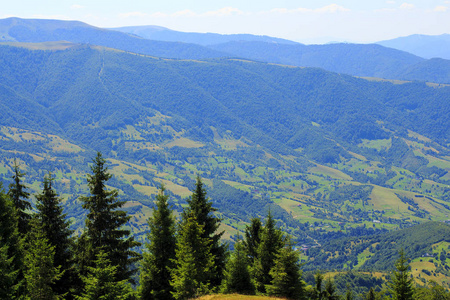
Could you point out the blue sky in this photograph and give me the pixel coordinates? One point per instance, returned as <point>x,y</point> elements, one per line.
<point>300,20</point>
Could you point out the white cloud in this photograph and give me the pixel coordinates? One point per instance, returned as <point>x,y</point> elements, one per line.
<point>77,6</point>
<point>408,6</point>
<point>158,15</point>
<point>441,8</point>
<point>332,8</point>
<point>384,10</point>
<point>289,11</point>
<point>184,13</point>
<point>226,11</point>
<point>133,14</point>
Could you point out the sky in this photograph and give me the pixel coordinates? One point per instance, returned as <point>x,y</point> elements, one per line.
<point>317,21</point>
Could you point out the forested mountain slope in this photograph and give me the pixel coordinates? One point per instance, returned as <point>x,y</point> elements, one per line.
<point>313,146</point>
<point>426,245</point>
<point>353,59</point>
<point>370,60</point>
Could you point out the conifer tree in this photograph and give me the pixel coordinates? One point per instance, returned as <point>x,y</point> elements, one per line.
<point>318,293</point>
<point>237,278</point>
<point>20,197</point>
<point>401,286</point>
<point>100,282</point>
<point>159,259</point>
<point>252,238</point>
<point>271,244</point>
<point>194,262</point>
<point>56,228</point>
<point>330,291</point>
<point>8,274</point>
<point>287,276</point>
<point>349,293</point>
<point>201,208</point>
<point>40,273</point>
<point>12,249</point>
<point>370,294</point>
<point>104,225</point>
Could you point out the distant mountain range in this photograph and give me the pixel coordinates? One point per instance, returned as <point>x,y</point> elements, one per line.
<point>354,59</point>
<point>36,31</point>
<point>205,39</point>
<point>426,46</point>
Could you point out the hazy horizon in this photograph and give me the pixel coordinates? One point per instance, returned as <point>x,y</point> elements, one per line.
<point>301,21</point>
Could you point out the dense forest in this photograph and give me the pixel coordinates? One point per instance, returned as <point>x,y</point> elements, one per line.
<point>183,258</point>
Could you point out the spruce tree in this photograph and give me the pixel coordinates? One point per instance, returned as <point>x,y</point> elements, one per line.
<point>12,248</point>
<point>8,274</point>
<point>330,292</point>
<point>20,198</point>
<point>237,278</point>
<point>349,293</point>
<point>159,259</point>
<point>194,263</point>
<point>100,282</point>
<point>270,245</point>
<point>56,228</point>
<point>201,208</point>
<point>40,273</point>
<point>252,238</point>
<point>318,293</point>
<point>287,276</point>
<point>370,294</point>
<point>104,225</point>
<point>401,286</point>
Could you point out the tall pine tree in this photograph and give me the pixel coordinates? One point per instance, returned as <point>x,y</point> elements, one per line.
<point>159,258</point>
<point>401,286</point>
<point>318,292</point>
<point>201,208</point>
<point>268,249</point>
<point>330,292</point>
<point>252,238</point>
<point>194,263</point>
<point>100,282</point>
<point>237,278</point>
<point>104,225</point>
<point>20,197</point>
<point>11,249</point>
<point>286,275</point>
<point>56,228</point>
<point>8,274</point>
<point>40,273</point>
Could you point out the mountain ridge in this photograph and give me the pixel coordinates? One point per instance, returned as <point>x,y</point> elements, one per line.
<point>426,46</point>
<point>204,39</point>
<point>353,59</point>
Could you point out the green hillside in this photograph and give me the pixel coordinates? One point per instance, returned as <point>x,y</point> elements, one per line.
<point>327,153</point>
<point>426,245</point>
